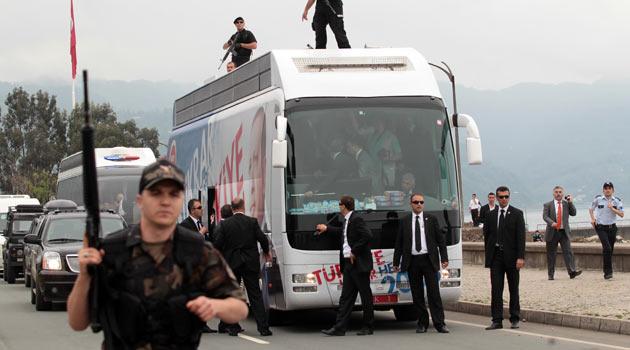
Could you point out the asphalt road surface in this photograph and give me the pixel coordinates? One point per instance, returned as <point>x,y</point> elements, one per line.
<point>21,327</point>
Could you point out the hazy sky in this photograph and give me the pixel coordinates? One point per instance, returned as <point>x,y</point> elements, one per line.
<point>490,44</point>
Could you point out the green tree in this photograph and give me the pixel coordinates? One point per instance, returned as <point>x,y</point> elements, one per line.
<point>32,141</point>
<point>108,131</point>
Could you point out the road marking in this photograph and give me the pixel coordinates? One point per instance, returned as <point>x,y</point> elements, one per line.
<point>252,339</point>
<point>549,337</point>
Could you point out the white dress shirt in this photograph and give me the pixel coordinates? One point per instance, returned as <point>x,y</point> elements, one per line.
<point>347,251</point>
<point>423,238</point>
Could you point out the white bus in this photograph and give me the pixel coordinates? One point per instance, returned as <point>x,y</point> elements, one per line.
<point>268,132</point>
<point>118,170</point>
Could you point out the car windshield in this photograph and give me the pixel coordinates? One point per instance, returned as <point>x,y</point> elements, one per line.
<point>73,229</point>
<point>21,227</point>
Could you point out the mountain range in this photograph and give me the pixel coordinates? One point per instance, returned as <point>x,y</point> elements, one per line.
<point>534,136</point>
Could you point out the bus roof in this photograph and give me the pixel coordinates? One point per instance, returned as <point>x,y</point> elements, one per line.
<point>315,73</point>
<point>111,157</point>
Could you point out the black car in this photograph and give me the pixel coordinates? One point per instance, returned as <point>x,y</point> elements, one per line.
<point>54,264</point>
<point>19,220</point>
<point>35,227</point>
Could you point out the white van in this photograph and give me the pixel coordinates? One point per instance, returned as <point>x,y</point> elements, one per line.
<point>6,201</point>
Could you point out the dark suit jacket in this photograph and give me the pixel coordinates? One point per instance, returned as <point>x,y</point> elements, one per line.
<point>483,212</point>
<point>513,235</point>
<point>550,217</point>
<point>237,239</point>
<point>343,167</point>
<point>359,236</point>
<point>436,245</point>
<point>189,224</point>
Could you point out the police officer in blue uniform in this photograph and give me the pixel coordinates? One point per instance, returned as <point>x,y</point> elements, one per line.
<point>604,212</point>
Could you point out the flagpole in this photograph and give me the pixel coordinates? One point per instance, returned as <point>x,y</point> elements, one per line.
<point>74,97</point>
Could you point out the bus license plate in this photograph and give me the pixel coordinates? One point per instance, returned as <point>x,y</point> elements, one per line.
<point>385,298</point>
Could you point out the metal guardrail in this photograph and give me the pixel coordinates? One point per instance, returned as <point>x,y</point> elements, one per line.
<point>584,225</point>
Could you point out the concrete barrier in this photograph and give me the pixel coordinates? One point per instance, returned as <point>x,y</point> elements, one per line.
<point>588,256</point>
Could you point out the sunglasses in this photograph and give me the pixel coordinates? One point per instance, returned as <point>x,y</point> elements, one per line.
<point>417,202</point>
<point>198,208</point>
<point>504,197</point>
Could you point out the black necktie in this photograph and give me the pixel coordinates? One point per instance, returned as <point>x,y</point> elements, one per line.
<point>199,225</point>
<point>417,234</point>
<point>501,227</point>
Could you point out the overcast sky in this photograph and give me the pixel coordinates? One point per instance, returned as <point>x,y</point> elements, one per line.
<point>490,44</point>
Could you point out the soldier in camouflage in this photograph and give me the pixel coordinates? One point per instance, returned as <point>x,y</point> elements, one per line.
<point>159,282</point>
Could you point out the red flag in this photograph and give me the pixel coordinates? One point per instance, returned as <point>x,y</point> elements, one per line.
<point>73,42</point>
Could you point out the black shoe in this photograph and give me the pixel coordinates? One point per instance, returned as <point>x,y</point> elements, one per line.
<point>574,274</point>
<point>608,276</point>
<point>551,278</point>
<point>494,325</point>
<point>207,329</point>
<point>365,331</point>
<point>421,329</point>
<point>265,332</point>
<point>443,329</point>
<point>232,332</point>
<point>333,332</point>
<point>514,325</point>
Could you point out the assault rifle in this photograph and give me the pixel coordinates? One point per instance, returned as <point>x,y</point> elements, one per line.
<point>90,198</point>
<point>230,50</point>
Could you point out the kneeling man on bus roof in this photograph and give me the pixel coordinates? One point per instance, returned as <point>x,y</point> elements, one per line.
<point>420,244</point>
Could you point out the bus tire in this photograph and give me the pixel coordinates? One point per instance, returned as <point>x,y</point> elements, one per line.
<point>405,313</point>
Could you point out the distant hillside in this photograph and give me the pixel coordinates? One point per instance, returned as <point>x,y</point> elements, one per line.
<point>534,135</point>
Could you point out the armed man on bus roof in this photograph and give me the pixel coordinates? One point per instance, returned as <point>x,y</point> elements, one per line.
<point>241,43</point>
<point>160,282</point>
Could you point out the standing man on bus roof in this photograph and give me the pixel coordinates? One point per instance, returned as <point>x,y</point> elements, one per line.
<point>355,258</point>
<point>420,251</point>
<point>327,12</point>
<point>241,43</point>
<point>162,282</point>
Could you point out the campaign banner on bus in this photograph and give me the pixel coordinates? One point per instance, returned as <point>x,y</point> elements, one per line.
<point>230,152</point>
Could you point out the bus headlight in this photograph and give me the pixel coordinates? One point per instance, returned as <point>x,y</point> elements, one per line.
<point>454,273</point>
<point>51,261</point>
<point>304,278</point>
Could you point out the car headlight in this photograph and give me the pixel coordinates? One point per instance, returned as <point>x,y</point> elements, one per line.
<point>451,273</point>
<point>51,261</point>
<point>304,278</point>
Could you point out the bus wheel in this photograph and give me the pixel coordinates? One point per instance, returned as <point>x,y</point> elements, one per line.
<point>405,313</point>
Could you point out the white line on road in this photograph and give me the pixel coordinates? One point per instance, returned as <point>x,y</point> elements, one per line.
<point>550,337</point>
<point>252,339</point>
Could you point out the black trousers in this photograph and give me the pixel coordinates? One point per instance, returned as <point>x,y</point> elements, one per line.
<point>327,17</point>
<point>419,269</point>
<point>355,282</point>
<point>250,279</point>
<point>607,236</point>
<point>475,216</point>
<point>498,270</point>
<point>240,60</point>
<point>561,237</point>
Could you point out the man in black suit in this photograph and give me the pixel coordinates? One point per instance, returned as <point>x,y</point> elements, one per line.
<point>193,223</point>
<point>238,238</point>
<point>356,263</point>
<point>486,208</point>
<point>504,240</point>
<point>420,244</point>
<point>342,167</point>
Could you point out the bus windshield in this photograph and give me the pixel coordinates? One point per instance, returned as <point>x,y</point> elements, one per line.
<point>377,150</point>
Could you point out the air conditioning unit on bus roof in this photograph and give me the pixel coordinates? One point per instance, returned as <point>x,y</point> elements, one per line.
<point>352,64</point>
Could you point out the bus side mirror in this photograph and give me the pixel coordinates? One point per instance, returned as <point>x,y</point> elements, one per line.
<point>473,140</point>
<point>279,146</point>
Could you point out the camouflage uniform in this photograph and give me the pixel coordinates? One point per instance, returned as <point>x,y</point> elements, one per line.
<point>147,286</point>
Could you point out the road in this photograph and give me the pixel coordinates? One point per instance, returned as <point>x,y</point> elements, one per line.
<point>21,327</point>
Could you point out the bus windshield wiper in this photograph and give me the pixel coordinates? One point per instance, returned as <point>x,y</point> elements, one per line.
<point>56,240</point>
